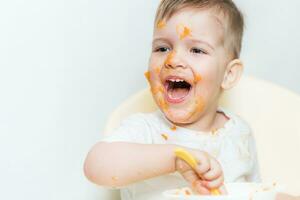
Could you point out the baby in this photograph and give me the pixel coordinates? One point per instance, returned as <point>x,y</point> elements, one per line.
<point>195,57</point>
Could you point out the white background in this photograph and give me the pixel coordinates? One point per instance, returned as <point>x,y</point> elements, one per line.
<point>65,65</point>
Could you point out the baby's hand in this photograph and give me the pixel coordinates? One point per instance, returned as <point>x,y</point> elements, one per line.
<point>205,176</point>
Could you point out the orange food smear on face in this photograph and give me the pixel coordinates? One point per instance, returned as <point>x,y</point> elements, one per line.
<point>170,56</point>
<point>183,31</point>
<point>165,136</point>
<point>147,75</point>
<point>197,107</point>
<point>157,90</point>
<point>197,78</point>
<point>200,105</point>
<point>153,90</point>
<point>161,24</point>
<point>162,104</point>
<point>186,32</point>
<point>157,70</point>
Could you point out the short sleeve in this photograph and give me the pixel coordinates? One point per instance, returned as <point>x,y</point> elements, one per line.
<point>133,129</point>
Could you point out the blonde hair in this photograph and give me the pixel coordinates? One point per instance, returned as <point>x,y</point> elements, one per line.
<point>234,18</point>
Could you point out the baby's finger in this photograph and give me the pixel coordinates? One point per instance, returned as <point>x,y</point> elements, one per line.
<point>198,187</point>
<point>214,172</point>
<point>190,176</point>
<point>186,171</point>
<point>215,183</point>
<point>204,164</point>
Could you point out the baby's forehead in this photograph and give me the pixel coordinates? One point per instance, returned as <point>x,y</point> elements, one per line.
<point>202,22</point>
<point>195,16</point>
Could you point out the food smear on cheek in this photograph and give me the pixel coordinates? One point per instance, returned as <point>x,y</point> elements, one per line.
<point>157,70</point>
<point>161,24</point>
<point>183,31</point>
<point>197,107</point>
<point>198,78</point>
<point>162,103</point>
<point>147,75</point>
<point>158,95</point>
<point>157,89</point>
<point>154,88</point>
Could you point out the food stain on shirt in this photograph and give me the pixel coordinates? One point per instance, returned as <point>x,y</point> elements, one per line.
<point>165,136</point>
<point>173,128</point>
<point>214,131</point>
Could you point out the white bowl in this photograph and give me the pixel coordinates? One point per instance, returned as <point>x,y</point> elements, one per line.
<point>236,191</point>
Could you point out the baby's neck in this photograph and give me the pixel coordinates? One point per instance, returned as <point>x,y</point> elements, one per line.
<point>211,120</point>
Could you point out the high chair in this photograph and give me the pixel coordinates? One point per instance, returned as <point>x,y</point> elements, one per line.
<point>273,113</point>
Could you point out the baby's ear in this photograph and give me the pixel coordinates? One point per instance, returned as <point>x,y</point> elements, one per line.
<point>233,73</point>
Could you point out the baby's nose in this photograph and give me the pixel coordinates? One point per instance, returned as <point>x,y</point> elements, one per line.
<point>175,59</point>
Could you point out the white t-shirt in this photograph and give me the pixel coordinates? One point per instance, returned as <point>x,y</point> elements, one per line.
<point>233,146</point>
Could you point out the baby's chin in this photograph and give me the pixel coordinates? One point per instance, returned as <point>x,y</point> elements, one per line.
<point>178,116</point>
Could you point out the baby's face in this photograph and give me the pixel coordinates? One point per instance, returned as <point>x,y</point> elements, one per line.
<point>187,64</point>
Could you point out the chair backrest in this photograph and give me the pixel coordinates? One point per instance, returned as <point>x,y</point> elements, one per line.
<point>273,113</point>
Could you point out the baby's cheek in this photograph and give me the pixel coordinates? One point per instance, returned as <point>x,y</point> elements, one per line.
<point>147,75</point>
<point>162,103</point>
<point>197,106</point>
<point>152,75</point>
<point>157,70</point>
<point>197,78</point>
<point>157,89</point>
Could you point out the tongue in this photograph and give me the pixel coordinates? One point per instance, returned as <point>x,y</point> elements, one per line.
<point>178,93</point>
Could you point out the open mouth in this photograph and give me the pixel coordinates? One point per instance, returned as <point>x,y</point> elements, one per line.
<point>177,89</point>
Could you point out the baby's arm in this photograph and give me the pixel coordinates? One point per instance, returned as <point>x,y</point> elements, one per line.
<point>118,164</point>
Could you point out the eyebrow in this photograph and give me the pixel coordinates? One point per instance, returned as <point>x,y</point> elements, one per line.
<point>191,39</point>
<point>160,39</point>
<point>202,41</point>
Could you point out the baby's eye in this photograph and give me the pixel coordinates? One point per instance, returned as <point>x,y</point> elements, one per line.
<point>198,51</point>
<point>162,49</point>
